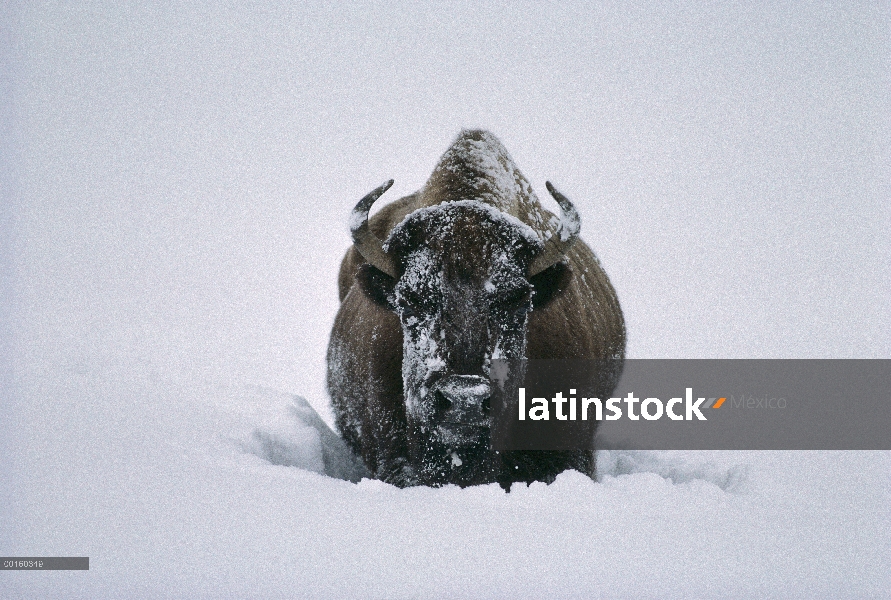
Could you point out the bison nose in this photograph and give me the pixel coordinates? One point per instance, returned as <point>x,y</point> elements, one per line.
<point>462,399</point>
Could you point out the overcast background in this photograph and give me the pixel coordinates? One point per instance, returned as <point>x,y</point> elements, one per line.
<point>176,180</point>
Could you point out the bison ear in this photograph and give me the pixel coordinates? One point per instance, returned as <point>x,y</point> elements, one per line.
<point>376,285</point>
<point>549,284</point>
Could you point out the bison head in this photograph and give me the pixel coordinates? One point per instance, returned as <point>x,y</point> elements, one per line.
<point>462,276</point>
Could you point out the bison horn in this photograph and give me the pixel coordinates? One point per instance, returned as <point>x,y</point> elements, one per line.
<point>368,244</point>
<point>567,233</point>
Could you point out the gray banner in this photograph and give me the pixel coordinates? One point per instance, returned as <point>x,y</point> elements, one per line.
<point>43,563</point>
<point>692,404</point>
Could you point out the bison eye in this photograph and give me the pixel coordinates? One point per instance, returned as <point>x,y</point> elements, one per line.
<point>519,312</point>
<point>413,303</point>
<point>514,299</point>
<point>512,304</point>
<point>407,310</point>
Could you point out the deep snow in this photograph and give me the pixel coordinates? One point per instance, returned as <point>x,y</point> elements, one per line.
<point>176,188</point>
<point>180,505</point>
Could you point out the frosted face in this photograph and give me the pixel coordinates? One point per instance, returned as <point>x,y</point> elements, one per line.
<point>455,320</point>
<point>463,299</point>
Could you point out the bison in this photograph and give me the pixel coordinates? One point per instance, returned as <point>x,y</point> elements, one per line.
<point>437,284</point>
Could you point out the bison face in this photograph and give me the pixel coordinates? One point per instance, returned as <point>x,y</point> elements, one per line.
<point>460,277</point>
<point>463,298</point>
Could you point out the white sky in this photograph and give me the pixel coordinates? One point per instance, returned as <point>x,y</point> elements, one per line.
<point>181,175</point>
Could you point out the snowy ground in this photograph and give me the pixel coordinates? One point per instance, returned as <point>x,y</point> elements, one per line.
<point>175,209</point>
<point>176,504</point>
